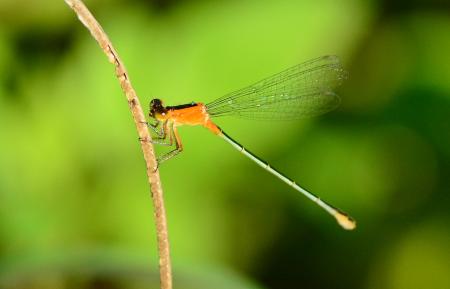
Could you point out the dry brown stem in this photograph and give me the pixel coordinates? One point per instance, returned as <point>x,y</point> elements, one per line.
<point>97,32</point>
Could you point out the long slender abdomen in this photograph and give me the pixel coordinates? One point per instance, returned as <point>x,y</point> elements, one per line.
<point>343,219</point>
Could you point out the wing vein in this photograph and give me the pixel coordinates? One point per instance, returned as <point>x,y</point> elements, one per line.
<point>303,90</point>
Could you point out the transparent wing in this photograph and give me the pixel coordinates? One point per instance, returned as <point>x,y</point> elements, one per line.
<point>303,90</point>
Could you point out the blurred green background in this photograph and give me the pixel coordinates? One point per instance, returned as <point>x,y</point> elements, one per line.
<point>75,210</point>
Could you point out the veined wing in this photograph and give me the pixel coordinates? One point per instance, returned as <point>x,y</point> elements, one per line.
<point>303,90</point>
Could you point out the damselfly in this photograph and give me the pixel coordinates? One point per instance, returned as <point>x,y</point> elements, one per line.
<point>304,90</point>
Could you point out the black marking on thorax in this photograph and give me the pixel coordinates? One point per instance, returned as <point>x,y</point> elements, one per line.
<point>181,106</point>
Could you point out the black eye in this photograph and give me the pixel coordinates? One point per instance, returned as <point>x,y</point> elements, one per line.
<point>155,103</point>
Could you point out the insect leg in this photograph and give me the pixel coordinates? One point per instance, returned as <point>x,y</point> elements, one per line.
<point>178,147</point>
<point>161,138</point>
<point>161,134</point>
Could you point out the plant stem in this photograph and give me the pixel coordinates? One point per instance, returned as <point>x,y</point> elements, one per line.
<point>97,32</point>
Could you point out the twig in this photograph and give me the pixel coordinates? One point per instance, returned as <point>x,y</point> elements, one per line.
<point>97,32</point>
